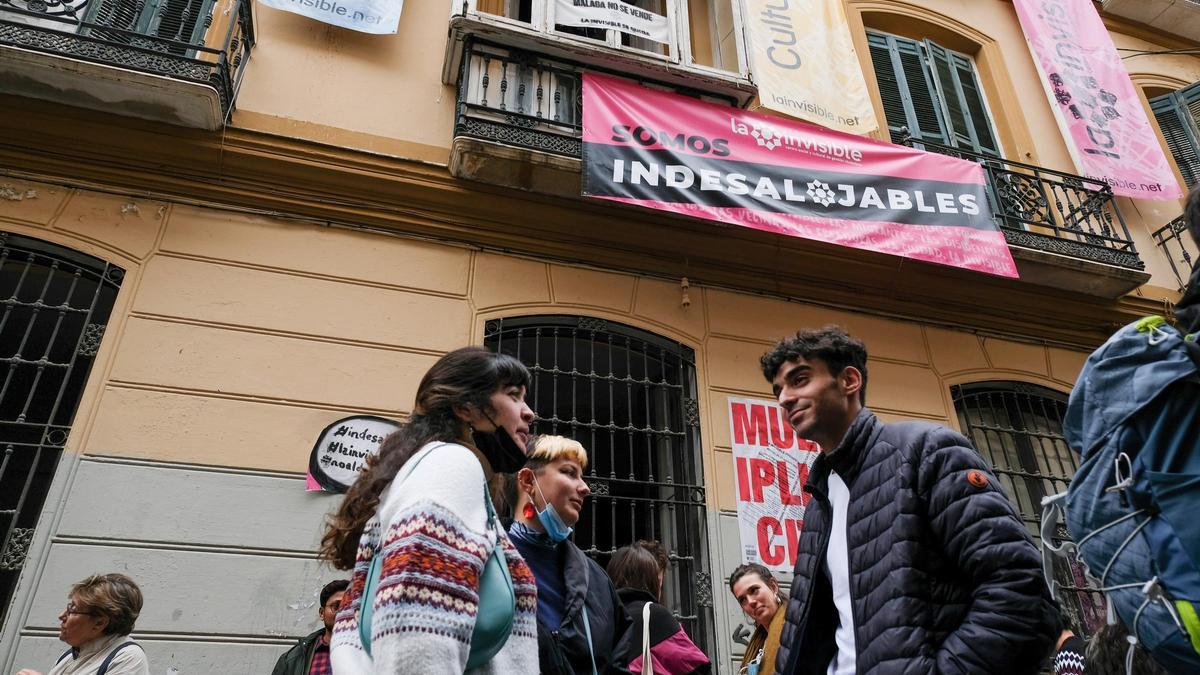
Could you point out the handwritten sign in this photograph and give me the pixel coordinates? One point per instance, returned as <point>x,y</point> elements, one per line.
<point>614,15</point>
<point>342,449</point>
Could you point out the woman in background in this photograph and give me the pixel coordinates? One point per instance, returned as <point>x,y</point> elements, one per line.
<point>638,571</point>
<point>100,614</point>
<point>757,593</point>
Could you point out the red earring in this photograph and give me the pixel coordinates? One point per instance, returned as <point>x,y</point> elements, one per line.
<point>528,511</point>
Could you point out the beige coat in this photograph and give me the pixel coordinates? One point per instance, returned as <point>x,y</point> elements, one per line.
<point>131,660</point>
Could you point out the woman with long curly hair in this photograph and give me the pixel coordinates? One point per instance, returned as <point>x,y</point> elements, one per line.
<point>437,586</point>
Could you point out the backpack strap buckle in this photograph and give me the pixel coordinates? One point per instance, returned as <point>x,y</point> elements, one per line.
<point>1052,516</point>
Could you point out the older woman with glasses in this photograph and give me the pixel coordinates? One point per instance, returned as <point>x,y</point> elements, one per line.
<point>99,617</point>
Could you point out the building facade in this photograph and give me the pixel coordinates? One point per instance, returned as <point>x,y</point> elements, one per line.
<point>224,226</point>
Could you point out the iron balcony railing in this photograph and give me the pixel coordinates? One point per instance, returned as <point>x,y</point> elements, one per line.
<point>527,99</point>
<point>1052,211</point>
<point>1170,239</point>
<point>515,97</point>
<point>202,41</point>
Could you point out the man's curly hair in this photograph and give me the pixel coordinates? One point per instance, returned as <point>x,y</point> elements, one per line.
<point>831,345</point>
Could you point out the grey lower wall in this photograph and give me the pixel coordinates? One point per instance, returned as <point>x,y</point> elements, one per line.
<point>226,560</point>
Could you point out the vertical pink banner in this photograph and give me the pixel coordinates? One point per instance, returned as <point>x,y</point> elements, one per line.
<point>1108,132</point>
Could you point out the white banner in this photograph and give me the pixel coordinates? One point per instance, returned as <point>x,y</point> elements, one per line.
<point>804,64</point>
<point>379,17</point>
<point>770,465</point>
<point>612,14</point>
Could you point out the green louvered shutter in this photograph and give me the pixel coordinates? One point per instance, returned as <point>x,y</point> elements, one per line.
<point>932,91</point>
<point>966,113</point>
<point>1177,115</point>
<point>181,20</point>
<point>907,88</point>
<point>895,108</point>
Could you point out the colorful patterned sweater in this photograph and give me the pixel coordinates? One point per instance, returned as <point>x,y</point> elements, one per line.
<point>431,529</point>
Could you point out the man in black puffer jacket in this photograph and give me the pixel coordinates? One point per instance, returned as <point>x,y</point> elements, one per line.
<point>911,559</point>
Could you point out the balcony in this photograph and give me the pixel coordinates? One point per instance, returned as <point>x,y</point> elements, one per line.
<point>519,119</point>
<point>704,50</point>
<point>1171,238</point>
<point>1175,17</point>
<point>173,61</point>
<point>1064,230</point>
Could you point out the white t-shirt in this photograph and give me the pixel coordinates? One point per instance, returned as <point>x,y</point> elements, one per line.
<point>837,563</point>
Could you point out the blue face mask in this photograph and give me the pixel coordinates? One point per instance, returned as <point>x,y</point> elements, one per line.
<point>556,529</point>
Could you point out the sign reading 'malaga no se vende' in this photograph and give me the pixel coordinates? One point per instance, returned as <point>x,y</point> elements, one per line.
<point>613,15</point>
<point>342,449</point>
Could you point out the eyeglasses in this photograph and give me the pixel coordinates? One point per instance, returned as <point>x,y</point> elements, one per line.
<point>72,608</point>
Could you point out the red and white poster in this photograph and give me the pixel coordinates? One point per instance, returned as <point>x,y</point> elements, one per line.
<point>1106,126</point>
<point>669,152</point>
<point>770,466</point>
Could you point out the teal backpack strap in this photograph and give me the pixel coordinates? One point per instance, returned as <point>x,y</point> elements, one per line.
<point>497,606</point>
<point>587,631</point>
<point>367,604</point>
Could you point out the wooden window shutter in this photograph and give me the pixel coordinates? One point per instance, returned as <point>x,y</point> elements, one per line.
<point>1177,115</point>
<point>906,87</point>
<point>976,106</point>
<point>894,109</point>
<point>932,91</point>
<point>966,113</point>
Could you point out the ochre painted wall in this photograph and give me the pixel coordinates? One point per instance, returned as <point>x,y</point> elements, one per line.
<point>236,325</point>
<point>383,94</point>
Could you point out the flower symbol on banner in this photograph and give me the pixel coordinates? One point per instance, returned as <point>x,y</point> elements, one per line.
<point>765,136</point>
<point>820,193</point>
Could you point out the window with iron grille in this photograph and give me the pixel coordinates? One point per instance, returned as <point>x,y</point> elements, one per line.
<point>55,304</point>
<point>630,397</point>
<point>1017,427</point>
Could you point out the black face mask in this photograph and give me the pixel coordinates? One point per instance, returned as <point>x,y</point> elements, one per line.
<point>501,451</point>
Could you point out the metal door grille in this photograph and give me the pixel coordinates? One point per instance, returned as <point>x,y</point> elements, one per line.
<point>1017,427</point>
<point>630,397</point>
<point>55,304</point>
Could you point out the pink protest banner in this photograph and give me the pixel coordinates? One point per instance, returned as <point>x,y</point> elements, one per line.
<point>1106,127</point>
<point>673,153</point>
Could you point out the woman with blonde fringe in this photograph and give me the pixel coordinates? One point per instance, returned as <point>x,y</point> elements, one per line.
<point>580,619</point>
